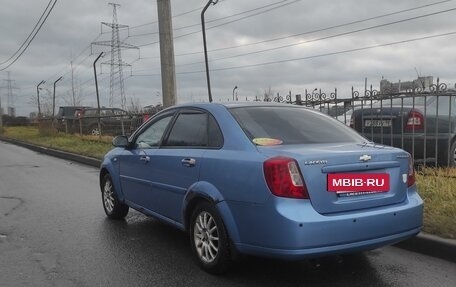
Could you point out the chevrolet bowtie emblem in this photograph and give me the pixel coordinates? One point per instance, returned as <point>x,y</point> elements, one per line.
<point>365,157</point>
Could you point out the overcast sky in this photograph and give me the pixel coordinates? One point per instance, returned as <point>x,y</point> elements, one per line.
<point>297,61</point>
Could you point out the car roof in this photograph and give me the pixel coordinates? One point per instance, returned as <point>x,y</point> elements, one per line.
<point>230,105</point>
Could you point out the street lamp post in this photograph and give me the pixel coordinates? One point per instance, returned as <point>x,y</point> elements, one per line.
<point>213,2</point>
<point>234,89</point>
<point>96,88</point>
<point>53,100</point>
<point>38,97</point>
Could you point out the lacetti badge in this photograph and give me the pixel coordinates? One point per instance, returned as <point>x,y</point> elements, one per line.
<point>315,162</point>
<point>365,158</point>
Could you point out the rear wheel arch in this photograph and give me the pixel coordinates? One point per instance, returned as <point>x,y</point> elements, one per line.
<point>190,207</point>
<point>206,192</point>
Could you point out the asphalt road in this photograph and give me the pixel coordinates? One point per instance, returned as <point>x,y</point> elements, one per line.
<point>53,232</point>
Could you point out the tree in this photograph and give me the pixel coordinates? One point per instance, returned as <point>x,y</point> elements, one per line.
<point>134,106</point>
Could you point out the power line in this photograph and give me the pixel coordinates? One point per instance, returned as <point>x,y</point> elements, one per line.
<point>155,22</point>
<point>33,37</point>
<point>326,37</point>
<point>222,18</point>
<point>174,16</point>
<point>311,57</point>
<point>318,30</point>
<point>229,22</point>
<point>340,52</point>
<point>28,37</point>
<point>75,58</point>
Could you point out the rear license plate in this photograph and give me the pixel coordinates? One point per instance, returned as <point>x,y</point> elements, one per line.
<point>377,123</point>
<point>358,183</point>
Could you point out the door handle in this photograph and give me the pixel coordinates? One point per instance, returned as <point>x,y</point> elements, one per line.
<point>188,162</point>
<point>145,158</point>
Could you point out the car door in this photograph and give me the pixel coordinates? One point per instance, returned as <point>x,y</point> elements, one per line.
<point>136,164</point>
<point>176,165</point>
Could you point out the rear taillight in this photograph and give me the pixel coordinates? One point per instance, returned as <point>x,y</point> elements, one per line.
<point>284,178</point>
<point>411,173</point>
<point>415,122</point>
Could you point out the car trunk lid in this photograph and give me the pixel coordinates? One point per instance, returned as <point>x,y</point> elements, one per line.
<point>319,162</point>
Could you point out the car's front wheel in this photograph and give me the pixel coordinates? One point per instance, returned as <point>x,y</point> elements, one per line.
<point>209,239</point>
<point>94,131</point>
<point>113,208</point>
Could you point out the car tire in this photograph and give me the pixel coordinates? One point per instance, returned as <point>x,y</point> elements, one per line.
<point>209,239</point>
<point>450,155</point>
<point>113,208</point>
<point>93,130</point>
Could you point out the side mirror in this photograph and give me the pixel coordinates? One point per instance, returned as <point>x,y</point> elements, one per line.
<point>120,141</point>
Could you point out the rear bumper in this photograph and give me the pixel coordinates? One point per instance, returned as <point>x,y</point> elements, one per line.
<point>292,230</point>
<point>298,254</point>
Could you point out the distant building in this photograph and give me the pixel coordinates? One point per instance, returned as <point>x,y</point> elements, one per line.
<point>421,83</point>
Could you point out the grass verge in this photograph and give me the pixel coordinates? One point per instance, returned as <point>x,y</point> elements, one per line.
<point>90,146</point>
<point>437,187</point>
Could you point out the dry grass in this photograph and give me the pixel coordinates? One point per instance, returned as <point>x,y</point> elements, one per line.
<point>91,146</point>
<point>437,187</point>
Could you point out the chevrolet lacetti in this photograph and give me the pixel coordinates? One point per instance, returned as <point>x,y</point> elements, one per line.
<point>268,180</point>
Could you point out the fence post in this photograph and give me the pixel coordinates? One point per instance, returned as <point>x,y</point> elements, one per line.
<point>122,125</point>
<point>299,99</point>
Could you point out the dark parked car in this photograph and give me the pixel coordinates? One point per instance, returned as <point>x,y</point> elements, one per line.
<point>425,126</point>
<point>113,121</point>
<point>269,180</point>
<point>139,119</point>
<point>65,118</point>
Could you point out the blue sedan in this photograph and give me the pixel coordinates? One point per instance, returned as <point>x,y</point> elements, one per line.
<point>262,179</point>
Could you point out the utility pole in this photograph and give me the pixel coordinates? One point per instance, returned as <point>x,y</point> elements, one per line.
<point>168,73</point>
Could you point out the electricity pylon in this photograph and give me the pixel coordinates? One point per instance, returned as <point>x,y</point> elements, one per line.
<point>117,89</point>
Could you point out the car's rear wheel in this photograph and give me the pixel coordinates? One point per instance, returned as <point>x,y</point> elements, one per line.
<point>450,155</point>
<point>113,208</point>
<point>209,239</point>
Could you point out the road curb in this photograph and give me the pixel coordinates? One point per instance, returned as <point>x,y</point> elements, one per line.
<point>56,153</point>
<point>422,243</point>
<point>431,245</point>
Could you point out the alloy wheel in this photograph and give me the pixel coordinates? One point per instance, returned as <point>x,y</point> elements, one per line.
<point>206,237</point>
<point>108,196</point>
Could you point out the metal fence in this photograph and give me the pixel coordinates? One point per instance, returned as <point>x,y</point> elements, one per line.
<point>420,121</point>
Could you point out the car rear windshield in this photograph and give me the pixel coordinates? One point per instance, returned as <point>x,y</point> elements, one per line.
<point>292,125</point>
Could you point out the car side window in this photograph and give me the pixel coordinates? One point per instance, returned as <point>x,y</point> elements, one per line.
<point>195,129</point>
<point>151,136</point>
<point>190,129</point>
